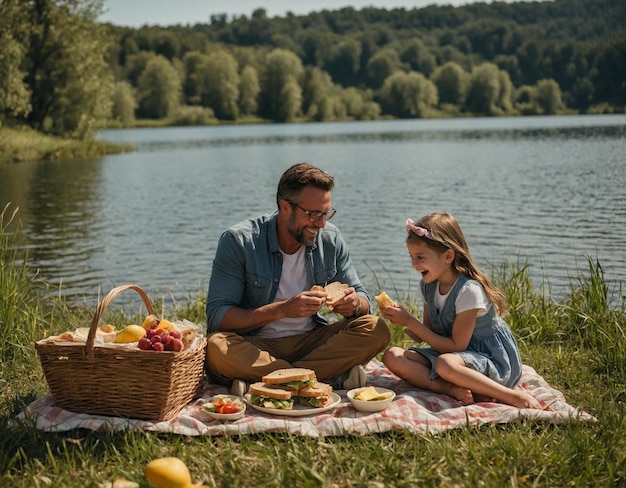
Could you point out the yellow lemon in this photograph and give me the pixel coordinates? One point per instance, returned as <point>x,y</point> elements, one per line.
<point>166,325</point>
<point>150,322</point>
<point>168,472</point>
<point>130,333</point>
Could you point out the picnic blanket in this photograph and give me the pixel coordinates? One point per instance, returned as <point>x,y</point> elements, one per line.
<point>413,410</point>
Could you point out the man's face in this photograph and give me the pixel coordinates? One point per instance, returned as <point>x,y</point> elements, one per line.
<point>299,225</point>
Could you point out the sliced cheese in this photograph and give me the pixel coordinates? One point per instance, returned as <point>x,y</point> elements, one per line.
<point>370,394</point>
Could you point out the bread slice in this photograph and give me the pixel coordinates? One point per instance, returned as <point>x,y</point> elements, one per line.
<point>384,300</point>
<point>334,293</point>
<point>269,391</point>
<point>269,396</point>
<point>289,375</point>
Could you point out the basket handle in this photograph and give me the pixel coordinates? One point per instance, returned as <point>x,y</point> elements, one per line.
<point>91,338</point>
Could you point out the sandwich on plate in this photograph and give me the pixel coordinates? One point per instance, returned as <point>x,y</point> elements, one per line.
<point>282,388</point>
<point>316,395</point>
<point>268,396</point>
<point>291,379</point>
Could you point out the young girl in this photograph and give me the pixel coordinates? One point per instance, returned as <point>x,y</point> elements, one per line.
<point>472,355</point>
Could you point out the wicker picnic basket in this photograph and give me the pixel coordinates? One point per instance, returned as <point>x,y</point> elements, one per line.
<point>122,382</point>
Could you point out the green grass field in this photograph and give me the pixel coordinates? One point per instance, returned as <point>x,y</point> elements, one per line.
<point>577,344</point>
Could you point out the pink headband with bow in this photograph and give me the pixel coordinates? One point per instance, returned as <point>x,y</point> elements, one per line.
<point>418,231</point>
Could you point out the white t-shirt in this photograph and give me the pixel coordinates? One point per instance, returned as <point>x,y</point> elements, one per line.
<point>471,296</point>
<point>293,280</point>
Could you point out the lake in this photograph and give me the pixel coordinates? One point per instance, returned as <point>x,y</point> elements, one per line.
<point>549,190</point>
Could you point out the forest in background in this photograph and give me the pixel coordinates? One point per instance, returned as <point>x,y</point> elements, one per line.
<point>65,74</point>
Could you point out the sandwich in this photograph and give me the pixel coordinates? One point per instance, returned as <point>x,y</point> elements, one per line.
<point>334,292</point>
<point>290,379</point>
<point>268,396</point>
<point>316,395</point>
<point>384,300</point>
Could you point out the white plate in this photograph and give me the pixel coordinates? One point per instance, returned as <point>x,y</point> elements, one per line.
<point>298,410</point>
<point>225,416</point>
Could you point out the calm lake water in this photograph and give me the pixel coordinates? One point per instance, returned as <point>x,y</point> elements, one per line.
<point>549,190</point>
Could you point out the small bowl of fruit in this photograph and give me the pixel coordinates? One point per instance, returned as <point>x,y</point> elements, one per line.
<point>225,407</point>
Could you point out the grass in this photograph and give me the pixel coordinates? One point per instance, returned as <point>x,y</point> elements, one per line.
<point>23,144</point>
<point>576,343</point>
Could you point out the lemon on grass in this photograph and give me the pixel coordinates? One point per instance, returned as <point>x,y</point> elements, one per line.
<point>169,472</point>
<point>130,333</point>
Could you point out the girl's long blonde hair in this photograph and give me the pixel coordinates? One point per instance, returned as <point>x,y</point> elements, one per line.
<point>445,233</point>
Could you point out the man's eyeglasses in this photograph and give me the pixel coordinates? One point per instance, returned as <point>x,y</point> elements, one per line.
<point>315,215</point>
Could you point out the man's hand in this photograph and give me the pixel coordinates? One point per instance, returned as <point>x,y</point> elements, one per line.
<point>304,304</point>
<point>348,304</point>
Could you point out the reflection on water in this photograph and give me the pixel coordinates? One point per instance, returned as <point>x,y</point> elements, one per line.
<point>546,189</point>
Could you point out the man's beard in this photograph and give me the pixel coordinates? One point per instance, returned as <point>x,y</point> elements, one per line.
<point>298,233</point>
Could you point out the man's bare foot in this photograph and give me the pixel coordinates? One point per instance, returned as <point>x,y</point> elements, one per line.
<point>463,395</point>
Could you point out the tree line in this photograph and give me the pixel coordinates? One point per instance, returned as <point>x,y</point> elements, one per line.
<point>64,73</point>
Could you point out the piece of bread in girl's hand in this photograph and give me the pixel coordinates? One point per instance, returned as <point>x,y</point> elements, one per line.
<point>384,300</point>
<point>334,292</point>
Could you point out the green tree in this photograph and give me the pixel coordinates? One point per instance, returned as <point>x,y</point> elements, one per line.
<point>291,100</point>
<point>159,89</point>
<point>408,95</point>
<point>452,83</point>
<point>249,89</point>
<point>317,89</point>
<point>280,90</point>
<point>14,92</point>
<point>418,57</point>
<point>193,77</point>
<point>490,91</point>
<point>548,97</point>
<point>359,104</point>
<point>345,61</point>
<point>381,65</point>
<point>62,51</point>
<point>222,85</point>
<point>124,103</point>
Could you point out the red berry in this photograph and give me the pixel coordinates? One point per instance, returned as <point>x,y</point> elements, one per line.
<point>177,345</point>
<point>150,333</point>
<point>158,346</point>
<point>145,344</point>
<point>155,339</point>
<point>175,334</point>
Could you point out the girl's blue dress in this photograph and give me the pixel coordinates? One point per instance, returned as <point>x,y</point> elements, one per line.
<point>492,350</point>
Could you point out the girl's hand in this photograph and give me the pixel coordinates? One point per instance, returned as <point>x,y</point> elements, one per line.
<point>396,314</point>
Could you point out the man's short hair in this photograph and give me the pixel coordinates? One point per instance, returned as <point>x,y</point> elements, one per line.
<point>293,181</point>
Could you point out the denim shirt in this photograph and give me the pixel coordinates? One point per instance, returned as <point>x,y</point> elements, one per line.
<point>248,265</point>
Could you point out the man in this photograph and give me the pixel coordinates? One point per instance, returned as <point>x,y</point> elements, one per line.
<point>261,312</point>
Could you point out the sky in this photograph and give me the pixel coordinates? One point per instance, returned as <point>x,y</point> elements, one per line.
<point>136,13</point>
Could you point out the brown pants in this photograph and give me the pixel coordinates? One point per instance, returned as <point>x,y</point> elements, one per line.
<point>329,350</point>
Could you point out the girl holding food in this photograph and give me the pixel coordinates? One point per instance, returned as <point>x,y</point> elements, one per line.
<point>471,354</point>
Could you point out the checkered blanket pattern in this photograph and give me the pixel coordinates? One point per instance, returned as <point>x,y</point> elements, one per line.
<point>414,410</point>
